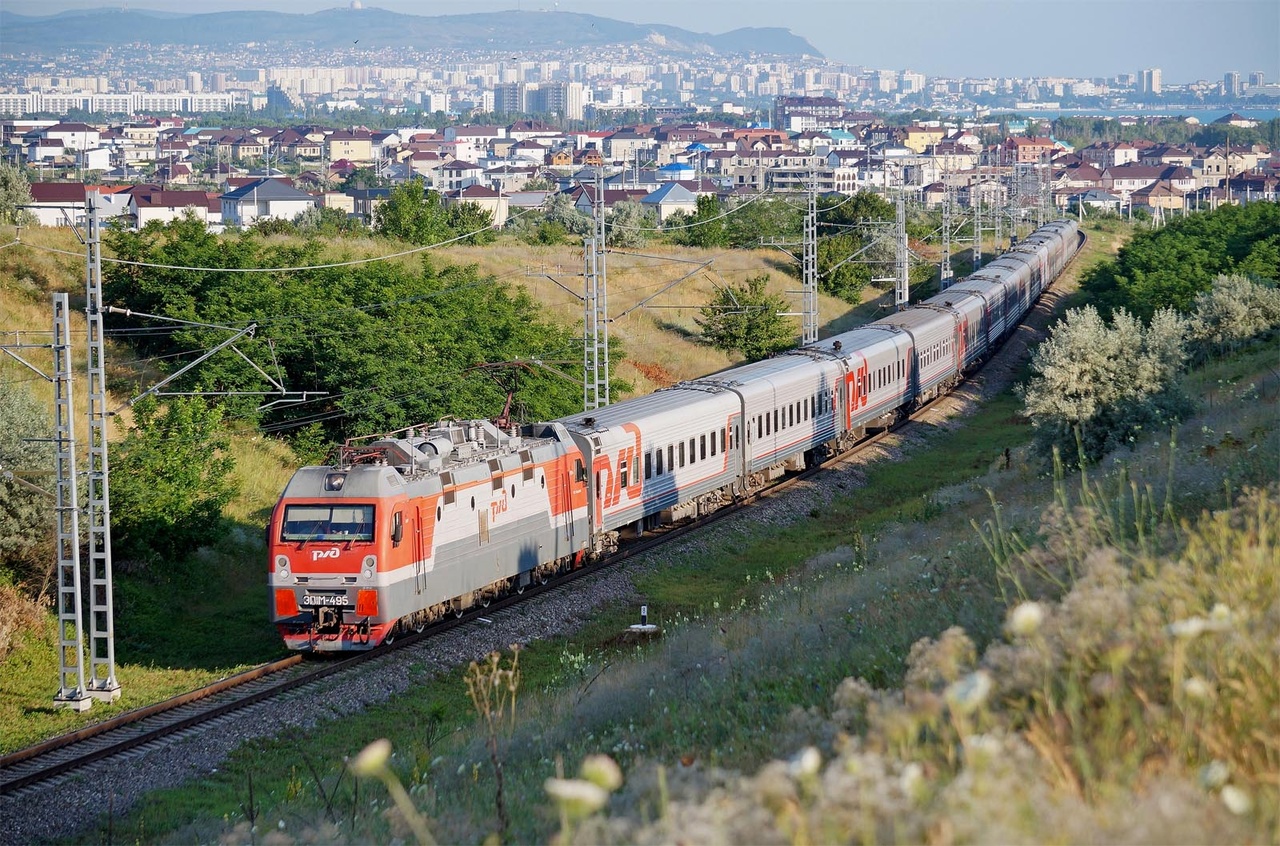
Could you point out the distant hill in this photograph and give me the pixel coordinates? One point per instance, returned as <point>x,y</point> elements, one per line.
<point>515,31</point>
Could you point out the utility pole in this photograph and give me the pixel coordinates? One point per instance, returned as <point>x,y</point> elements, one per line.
<point>945,273</point>
<point>595,356</point>
<point>71,678</point>
<point>102,644</point>
<point>808,258</point>
<point>902,287</point>
<point>809,268</point>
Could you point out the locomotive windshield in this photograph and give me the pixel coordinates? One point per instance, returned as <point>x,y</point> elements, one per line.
<point>327,523</point>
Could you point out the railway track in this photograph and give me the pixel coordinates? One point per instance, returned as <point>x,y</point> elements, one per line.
<point>137,731</point>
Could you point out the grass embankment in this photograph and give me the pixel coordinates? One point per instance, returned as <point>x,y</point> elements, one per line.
<point>752,664</point>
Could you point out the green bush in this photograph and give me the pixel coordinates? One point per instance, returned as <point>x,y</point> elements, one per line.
<point>170,478</point>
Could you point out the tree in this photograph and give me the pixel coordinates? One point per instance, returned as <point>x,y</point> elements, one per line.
<point>471,217</point>
<point>1105,383</point>
<point>413,214</point>
<point>326,221</point>
<point>25,516</point>
<point>704,228</point>
<point>629,224</point>
<point>748,319</point>
<point>15,192</point>
<point>170,479</point>
<point>1168,267</point>
<point>1234,310</point>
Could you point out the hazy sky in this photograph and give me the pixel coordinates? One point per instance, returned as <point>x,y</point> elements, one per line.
<point>1187,39</point>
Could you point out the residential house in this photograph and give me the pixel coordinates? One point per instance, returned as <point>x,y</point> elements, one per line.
<point>74,136</point>
<point>263,198</point>
<point>354,145</point>
<point>584,197</point>
<point>1125,179</point>
<point>921,138</point>
<point>150,205</point>
<point>1159,195</point>
<point>364,201</point>
<point>491,201</point>
<point>507,179</point>
<point>58,203</point>
<point>669,199</point>
<point>425,163</point>
<point>1104,154</point>
<point>457,174</point>
<point>1020,150</point>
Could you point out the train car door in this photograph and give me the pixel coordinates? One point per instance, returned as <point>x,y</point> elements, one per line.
<point>419,552</point>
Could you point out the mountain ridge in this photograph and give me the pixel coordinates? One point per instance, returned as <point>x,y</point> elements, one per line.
<point>374,28</point>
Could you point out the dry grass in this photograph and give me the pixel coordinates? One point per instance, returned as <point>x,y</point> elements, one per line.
<point>659,340</point>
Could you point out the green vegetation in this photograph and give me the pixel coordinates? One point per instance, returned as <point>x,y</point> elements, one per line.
<point>416,215</point>
<point>171,478</point>
<point>15,191</point>
<point>1168,267</point>
<point>1082,131</point>
<point>391,345</point>
<point>747,319</point>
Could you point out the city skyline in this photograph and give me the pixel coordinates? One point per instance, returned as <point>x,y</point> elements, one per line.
<point>1093,38</point>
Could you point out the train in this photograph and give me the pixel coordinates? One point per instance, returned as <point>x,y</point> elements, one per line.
<point>405,529</point>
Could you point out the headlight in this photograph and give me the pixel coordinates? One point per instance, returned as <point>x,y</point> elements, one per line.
<point>370,566</point>
<point>282,568</point>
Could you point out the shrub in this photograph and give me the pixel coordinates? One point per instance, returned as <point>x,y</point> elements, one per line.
<point>26,518</point>
<point>1097,386</point>
<point>170,480</point>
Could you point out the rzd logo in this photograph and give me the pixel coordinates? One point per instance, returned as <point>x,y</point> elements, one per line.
<point>317,554</point>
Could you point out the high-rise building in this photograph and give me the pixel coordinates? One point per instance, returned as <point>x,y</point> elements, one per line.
<point>1257,79</point>
<point>511,98</point>
<point>1149,81</point>
<point>1231,84</point>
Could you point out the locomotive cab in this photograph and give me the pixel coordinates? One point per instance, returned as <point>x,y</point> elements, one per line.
<point>329,536</point>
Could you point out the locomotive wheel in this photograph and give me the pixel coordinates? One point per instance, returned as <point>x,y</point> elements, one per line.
<point>420,623</point>
<point>519,587</point>
<point>458,610</point>
<point>485,600</point>
<point>542,577</point>
<point>390,636</point>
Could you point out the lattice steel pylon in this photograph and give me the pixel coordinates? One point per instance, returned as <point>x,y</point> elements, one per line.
<point>595,323</point>
<point>71,678</point>
<point>809,269</point>
<point>902,251</point>
<point>102,643</point>
<point>945,273</point>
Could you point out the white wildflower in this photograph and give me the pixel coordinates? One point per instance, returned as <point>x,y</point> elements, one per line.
<point>911,779</point>
<point>1237,801</point>
<point>1214,774</point>
<point>577,798</point>
<point>967,694</point>
<point>602,771</point>
<point>1025,619</point>
<point>806,763</point>
<point>373,758</point>
<point>1198,689</point>
<point>1188,629</point>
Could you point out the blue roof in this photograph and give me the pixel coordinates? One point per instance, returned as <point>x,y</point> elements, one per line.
<point>671,192</point>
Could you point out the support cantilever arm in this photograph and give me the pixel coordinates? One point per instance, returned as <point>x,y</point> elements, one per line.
<point>662,290</point>
<point>248,330</point>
